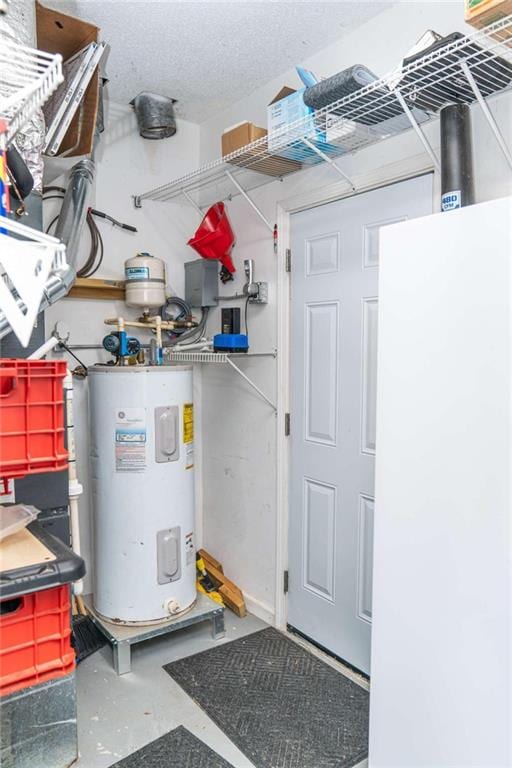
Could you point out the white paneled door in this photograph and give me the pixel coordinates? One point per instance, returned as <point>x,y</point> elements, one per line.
<point>335,261</point>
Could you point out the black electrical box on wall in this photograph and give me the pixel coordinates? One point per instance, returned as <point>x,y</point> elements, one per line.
<point>230,320</point>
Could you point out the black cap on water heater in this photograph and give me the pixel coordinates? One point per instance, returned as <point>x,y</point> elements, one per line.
<point>457,182</point>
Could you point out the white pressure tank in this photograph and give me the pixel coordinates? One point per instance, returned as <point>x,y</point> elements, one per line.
<point>144,281</point>
<point>142,467</point>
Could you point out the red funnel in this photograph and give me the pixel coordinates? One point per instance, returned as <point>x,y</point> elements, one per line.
<point>214,239</point>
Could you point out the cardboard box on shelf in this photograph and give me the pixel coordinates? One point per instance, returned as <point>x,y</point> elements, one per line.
<point>481,13</point>
<point>239,136</point>
<point>60,33</point>
<point>254,159</point>
<point>286,108</point>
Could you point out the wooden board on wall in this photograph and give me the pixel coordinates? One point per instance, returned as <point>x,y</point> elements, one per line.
<point>93,288</point>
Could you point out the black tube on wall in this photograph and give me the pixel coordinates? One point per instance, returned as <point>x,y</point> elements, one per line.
<point>457,183</point>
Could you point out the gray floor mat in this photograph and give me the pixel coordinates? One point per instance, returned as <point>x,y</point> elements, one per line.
<point>282,706</point>
<point>176,749</point>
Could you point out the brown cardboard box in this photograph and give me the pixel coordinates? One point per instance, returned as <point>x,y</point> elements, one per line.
<point>240,136</point>
<point>254,159</point>
<point>283,93</point>
<point>481,13</point>
<point>59,33</point>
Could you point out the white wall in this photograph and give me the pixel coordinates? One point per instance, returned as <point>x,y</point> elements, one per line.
<point>239,431</point>
<point>126,165</point>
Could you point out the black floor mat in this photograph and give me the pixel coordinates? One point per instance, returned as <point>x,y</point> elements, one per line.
<point>176,749</point>
<point>283,707</point>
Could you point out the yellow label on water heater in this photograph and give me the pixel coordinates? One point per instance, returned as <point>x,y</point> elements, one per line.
<point>188,423</point>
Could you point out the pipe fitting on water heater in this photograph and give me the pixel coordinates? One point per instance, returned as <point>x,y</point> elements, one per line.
<point>172,607</point>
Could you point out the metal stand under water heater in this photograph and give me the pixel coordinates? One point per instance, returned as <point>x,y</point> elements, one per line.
<point>142,462</point>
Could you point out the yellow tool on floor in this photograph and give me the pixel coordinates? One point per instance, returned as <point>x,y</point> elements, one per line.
<point>204,583</point>
<point>214,595</point>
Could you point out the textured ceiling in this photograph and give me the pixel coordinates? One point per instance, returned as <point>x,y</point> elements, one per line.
<point>209,54</point>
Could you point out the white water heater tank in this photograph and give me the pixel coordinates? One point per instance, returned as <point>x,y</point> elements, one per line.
<point>142,467</point>
<point>144,281</point>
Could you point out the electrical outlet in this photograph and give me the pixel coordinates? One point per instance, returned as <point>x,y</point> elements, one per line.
<point>262,295</point>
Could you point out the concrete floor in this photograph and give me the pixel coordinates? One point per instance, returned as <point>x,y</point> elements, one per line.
<point>119,714</point>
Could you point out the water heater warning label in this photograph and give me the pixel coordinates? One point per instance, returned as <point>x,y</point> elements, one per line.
<point>188,423</point>
<point>130,439</point>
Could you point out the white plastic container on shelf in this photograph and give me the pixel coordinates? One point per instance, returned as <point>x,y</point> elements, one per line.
<point>142,462</point>
<point>15,517</point>
<point>145,281</point>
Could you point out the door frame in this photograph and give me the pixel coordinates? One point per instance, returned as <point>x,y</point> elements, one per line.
<point>402,170</point>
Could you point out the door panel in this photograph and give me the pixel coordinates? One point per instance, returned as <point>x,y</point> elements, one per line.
<point>318,544</point>
<point>321,400</point>
<point>365,558</point>
<point>369,394</point>
<point>323,254</point>
<point>335,257</point>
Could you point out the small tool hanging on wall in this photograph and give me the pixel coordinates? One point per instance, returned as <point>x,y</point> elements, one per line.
<point>95,257</point>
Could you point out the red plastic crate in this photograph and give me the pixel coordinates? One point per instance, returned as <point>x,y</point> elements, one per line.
<point>35,638</point>
<point>31,417</point>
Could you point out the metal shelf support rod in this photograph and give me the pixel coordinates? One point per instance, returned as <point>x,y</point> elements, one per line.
<point>329,160</point>
<point>487,112</point>
<point>249,200</point>
<point>192,202</point>
<point>418,130</point>
<point>252,384</point>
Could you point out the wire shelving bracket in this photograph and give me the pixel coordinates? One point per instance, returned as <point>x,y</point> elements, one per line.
<point>222,358</point>
<point>419,133</point>
<point>249,200</point>
<point>471,69</point>
<point>327,159</point>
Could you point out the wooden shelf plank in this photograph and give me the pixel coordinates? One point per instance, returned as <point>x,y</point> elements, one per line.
<point>95,288</point>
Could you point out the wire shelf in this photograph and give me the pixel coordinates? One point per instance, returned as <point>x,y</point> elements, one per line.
<point>27,258</point>
<point>211,357</point>
<point>28,78</point>
<point>408,97</point>
<point>223,358</point>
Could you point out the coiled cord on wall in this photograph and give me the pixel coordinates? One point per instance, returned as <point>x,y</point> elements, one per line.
<point>96,250</point>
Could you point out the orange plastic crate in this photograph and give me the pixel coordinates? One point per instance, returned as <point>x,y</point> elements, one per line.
<point>31,417</point>
<point>35,638</point>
